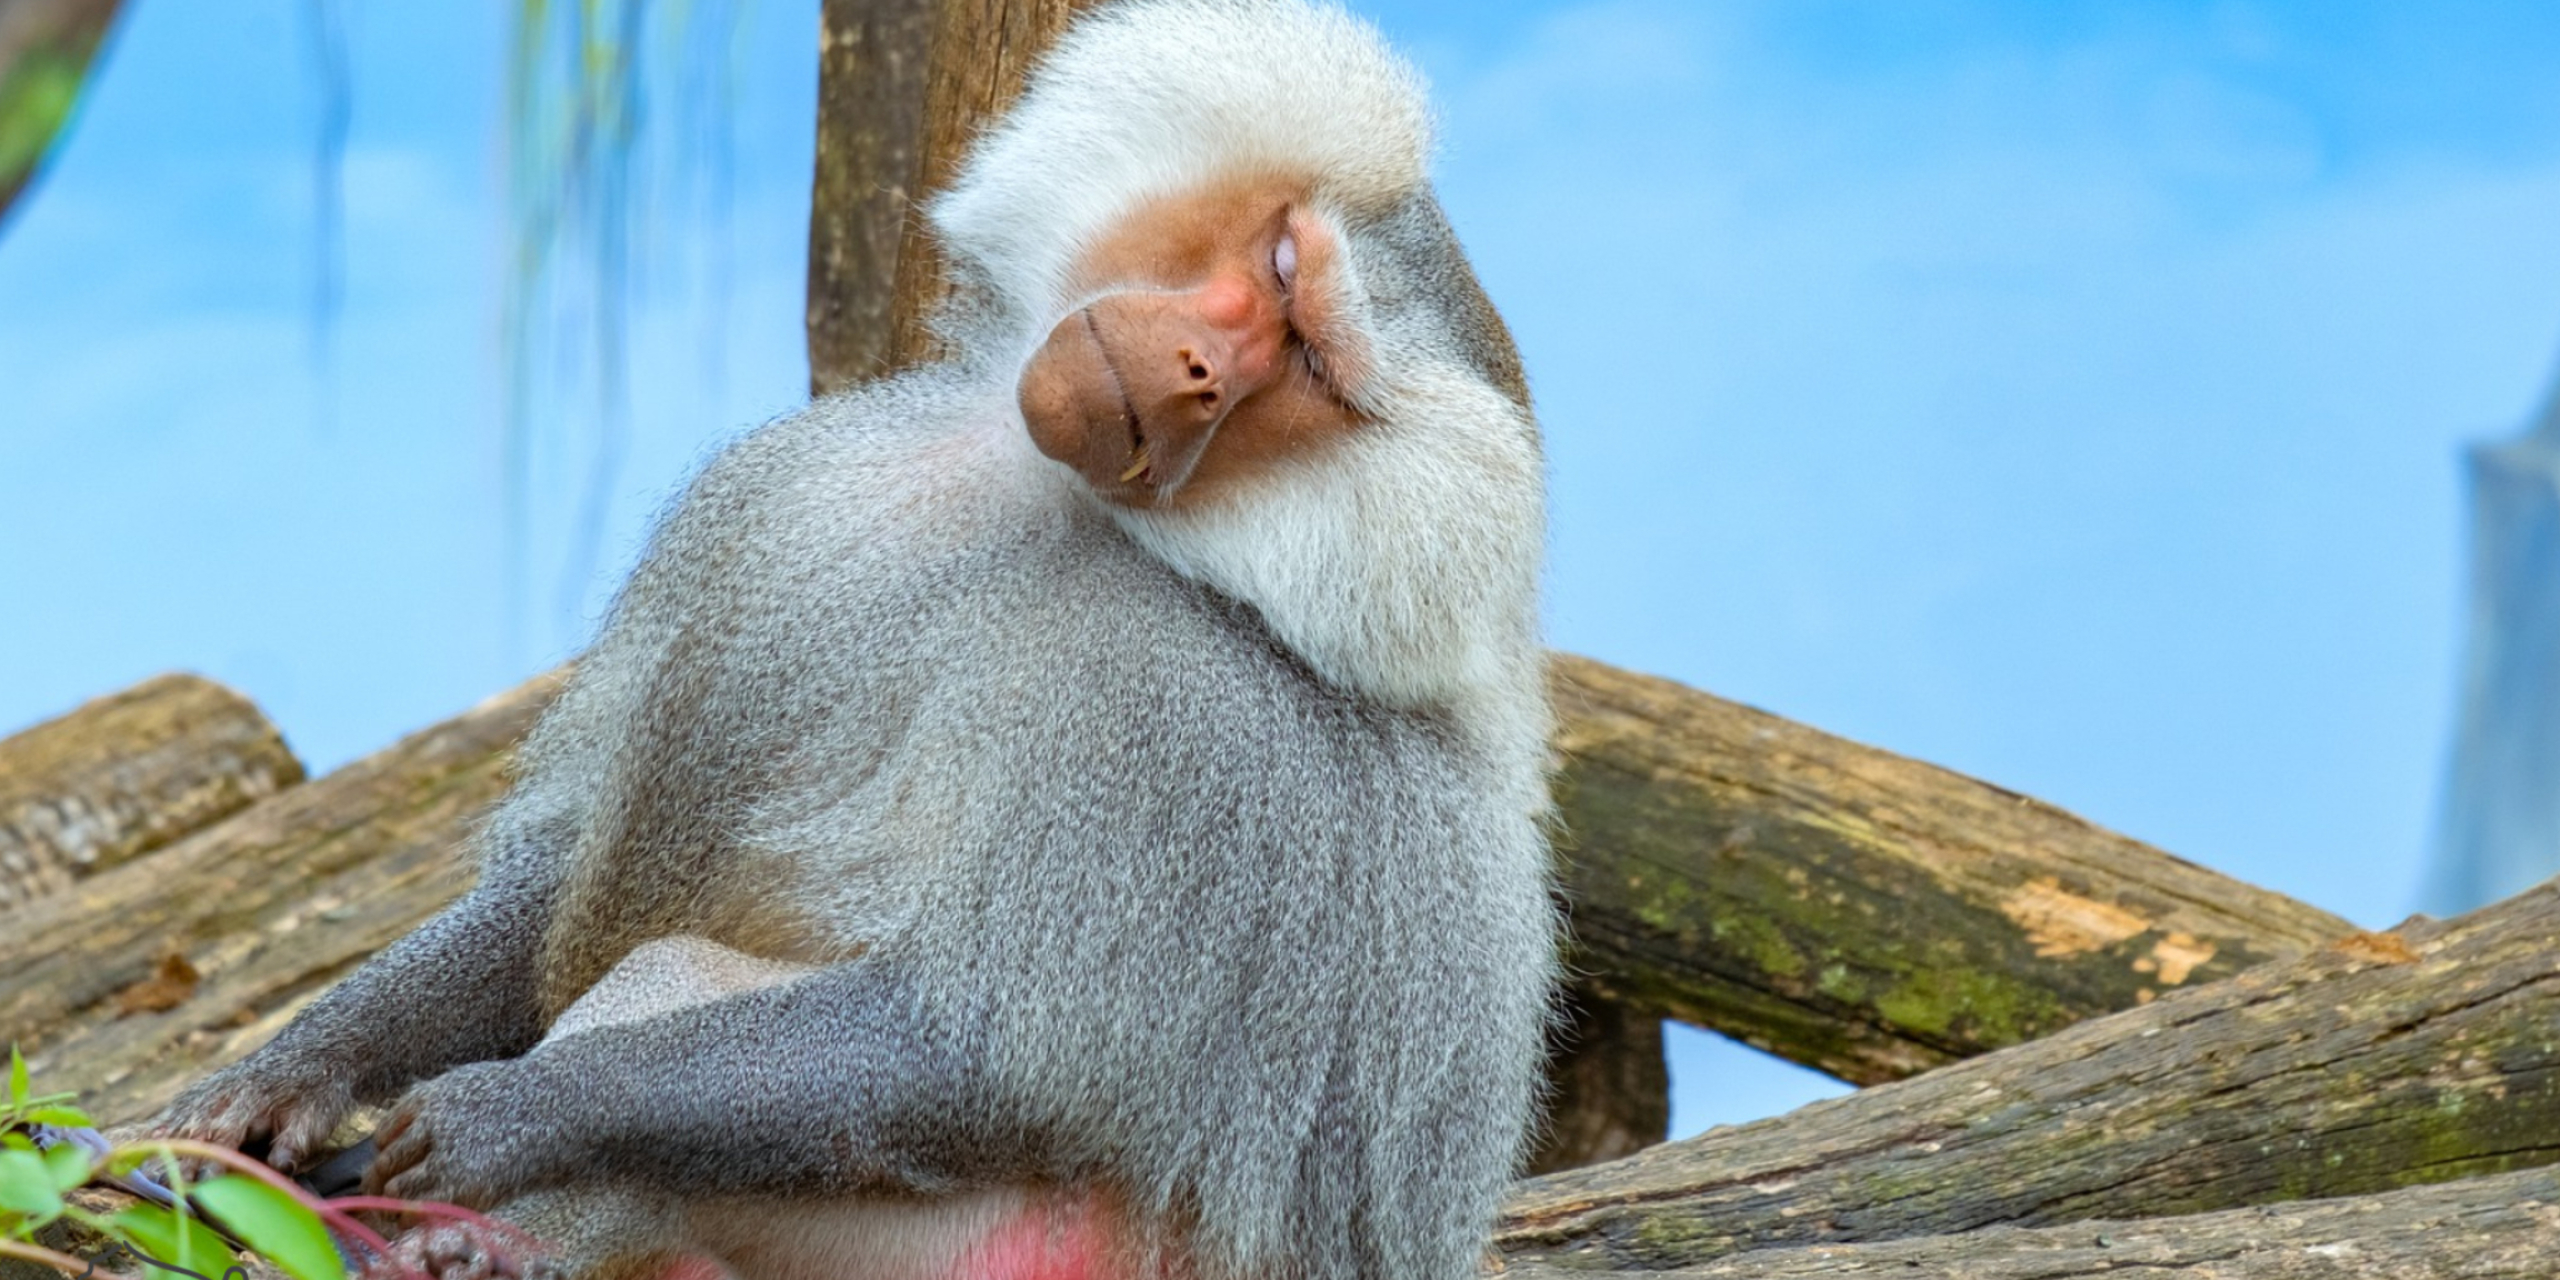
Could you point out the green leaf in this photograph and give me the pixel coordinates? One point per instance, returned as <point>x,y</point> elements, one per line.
<point>69,1163</point>
<point>163,1236</point>
<point>16,1140</point>
<point>68,1117</point>
<point>17,1078</point>
<point>148,1158</point>
<point>275,1224</point>
<point>26,1188</point>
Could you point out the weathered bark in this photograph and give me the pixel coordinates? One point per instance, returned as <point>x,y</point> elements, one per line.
<point>1862,913</point>
<point>872,56</point>
<point>2497,1228</point>
<point>1610,1092</point>
<point>127,774</point>
<point>130,983</point>
<point>2386,1060</point>
<point>982,52</point>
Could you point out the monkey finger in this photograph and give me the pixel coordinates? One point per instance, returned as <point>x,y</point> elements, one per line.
<point>234,1122</point>
<point>386,1178</point>
<point>220,1123</point>
<point>408,1259</point>
<point>395,1154</point>
<point>393,1125</point>
<point>300,1133</point>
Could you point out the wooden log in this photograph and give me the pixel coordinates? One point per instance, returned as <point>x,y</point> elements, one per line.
<point>128,984</point>
<point>2496,1228</point>
<point>1726,866</point>
<point>2384,1061</point>
<point>1856,911</point>
<point>128,774</point>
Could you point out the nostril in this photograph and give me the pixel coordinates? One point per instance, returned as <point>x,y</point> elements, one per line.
<point>1198,368</point>
<point>1208,399</point>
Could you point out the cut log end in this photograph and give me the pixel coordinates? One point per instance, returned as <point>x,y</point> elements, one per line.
<point>128,774</point>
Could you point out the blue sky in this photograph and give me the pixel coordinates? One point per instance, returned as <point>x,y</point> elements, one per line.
<point>2068,394</point>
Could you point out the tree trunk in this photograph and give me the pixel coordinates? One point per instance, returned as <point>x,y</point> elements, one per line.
<point>983,50</point>
<point>872,56</point>
<point>2384,1061</point>
<point>131,983</point>
<point>903,86</point>
<point>125,775</point>
<point>2498,1228</point>
<point>1610,1091</point>
<point>1862,913</point>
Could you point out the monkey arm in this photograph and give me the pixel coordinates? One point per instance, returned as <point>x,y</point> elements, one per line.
<point>835,1082</point>
<point>461,988</point>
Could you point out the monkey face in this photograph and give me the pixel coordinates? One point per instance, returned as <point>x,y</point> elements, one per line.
<point>1218,346</point>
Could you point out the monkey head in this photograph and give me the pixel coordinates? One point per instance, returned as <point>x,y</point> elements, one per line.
<point>1204,252</point>
<point>1216,343</point>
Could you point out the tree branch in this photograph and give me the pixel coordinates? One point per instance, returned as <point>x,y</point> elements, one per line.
<point>2384,1061</point>
<point>2496,1228</point>
<point>1856,911</point>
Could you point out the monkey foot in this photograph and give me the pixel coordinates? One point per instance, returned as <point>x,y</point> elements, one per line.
<point>463,1251</point>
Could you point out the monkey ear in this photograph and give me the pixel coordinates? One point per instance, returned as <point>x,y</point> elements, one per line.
<point>1330,310</point>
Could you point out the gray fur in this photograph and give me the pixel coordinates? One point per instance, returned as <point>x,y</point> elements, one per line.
<point>1109,863</point>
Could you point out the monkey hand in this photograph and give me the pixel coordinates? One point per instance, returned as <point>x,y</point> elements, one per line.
<point>476,1136</point>
<point>288,1101</point>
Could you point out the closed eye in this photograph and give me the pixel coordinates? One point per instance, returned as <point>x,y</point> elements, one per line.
<point>1284,269</point>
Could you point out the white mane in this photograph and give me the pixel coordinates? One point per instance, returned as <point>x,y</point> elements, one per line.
<point>1402,566</point>
<point>1116,115</point>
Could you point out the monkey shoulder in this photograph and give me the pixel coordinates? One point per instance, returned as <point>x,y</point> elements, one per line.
<point>915,492</point>
<point>898,564</point>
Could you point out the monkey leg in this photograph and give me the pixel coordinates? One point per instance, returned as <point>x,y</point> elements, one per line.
<point>665,975</point>
<point>589,1234</point>
<point>601,1232</point>
<point>613,1230</point>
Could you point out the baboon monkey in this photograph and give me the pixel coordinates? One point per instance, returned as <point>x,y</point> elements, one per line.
<point>1071,811</point>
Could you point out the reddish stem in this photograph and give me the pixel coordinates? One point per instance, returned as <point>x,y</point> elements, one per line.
<point>428,1209</point>
<point>240,1164</point>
